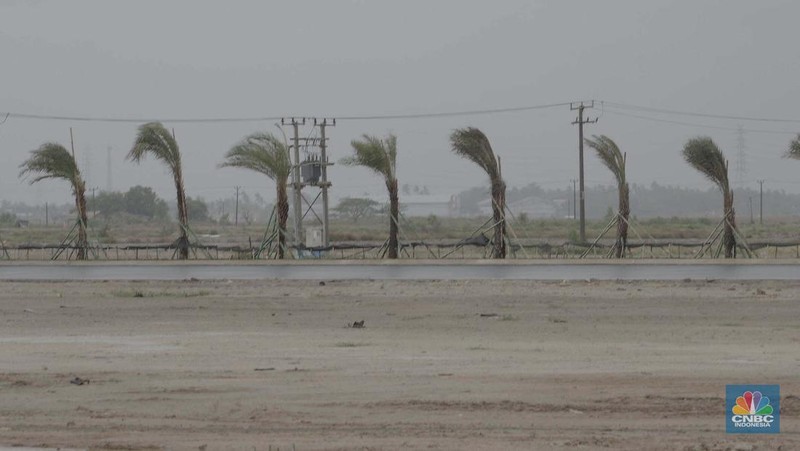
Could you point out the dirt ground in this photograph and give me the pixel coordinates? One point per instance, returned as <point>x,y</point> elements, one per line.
<point>439,365</point>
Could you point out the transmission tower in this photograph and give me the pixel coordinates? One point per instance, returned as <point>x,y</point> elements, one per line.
<point>310,171</point>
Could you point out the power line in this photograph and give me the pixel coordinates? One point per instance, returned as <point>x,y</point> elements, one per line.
<point>47,117</point>
<point>689,124</point>
<point>627,110</point>
<point>277,118</point>
<point>453,113</point>
<point>708,115</point>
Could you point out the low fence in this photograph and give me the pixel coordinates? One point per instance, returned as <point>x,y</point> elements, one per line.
<point>463,249</point>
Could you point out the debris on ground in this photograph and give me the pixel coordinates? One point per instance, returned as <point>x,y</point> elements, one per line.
<point>79,381</point>
<point>357,324</point>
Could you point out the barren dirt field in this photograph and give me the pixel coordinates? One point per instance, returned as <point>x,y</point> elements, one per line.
<point>438,365</point>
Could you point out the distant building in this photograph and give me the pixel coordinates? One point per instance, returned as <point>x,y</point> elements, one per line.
<point>531,206</point>
<point>427,205</point>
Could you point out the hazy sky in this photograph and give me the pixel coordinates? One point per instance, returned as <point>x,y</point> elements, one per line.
<point>205,59</point>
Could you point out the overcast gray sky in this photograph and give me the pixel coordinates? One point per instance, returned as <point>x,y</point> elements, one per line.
<point>236,58</point>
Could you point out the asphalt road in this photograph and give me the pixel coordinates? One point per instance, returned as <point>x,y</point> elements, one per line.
<point>630,270</point>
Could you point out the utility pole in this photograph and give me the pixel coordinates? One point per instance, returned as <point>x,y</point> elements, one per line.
<point>297,183</point>
<point>46,215</point>
<point>236,216</point>
<point>312,172</point>
<point>324,184</point>
<point>761,202</point>
<point>751,210</point>
<point>580,121</point>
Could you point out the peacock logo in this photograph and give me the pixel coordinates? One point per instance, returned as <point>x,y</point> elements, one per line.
<point>753,409</point>
<point>752,403</point>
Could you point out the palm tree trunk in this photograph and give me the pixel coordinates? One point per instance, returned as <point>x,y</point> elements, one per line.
<point>728,237</point>
<point>82,242</point>
<point>622,222</point>
<point>394,214</point>
<point>183,216</point>
<point>283,217</point>
<point>498,214</point>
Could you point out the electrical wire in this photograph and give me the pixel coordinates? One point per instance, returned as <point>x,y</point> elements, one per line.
<point>276,118</point>
<point>689,124</point>
<point>707,115</point>
<point>614,108</point>
<point>452,113</point>
<point>138,120</point>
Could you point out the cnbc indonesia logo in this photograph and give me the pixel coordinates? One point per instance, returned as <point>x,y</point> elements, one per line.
<point>752,410</point>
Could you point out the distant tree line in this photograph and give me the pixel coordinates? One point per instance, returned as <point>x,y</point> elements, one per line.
<point>646,201</point>
<point>141,202</point>
<point>137,201</point>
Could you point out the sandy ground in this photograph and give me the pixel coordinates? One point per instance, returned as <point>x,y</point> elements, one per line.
<point>438,365</point>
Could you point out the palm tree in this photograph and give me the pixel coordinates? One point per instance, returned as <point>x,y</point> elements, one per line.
<point>614,160</point>
<point>702,154</point>
<point>473,145</point>
<point>380,155</point>
<point>156,140</point>
<point>53,161</point>
<point>264,153</point>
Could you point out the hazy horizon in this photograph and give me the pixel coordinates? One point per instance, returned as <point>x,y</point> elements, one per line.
<point>202,59</point>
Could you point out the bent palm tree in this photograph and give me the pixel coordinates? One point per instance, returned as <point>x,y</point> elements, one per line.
<point>473,145</point>
<point>614,160</point>
<point>53,161</point>
<point>264,153</point>
<point>156,140</point>
<point>703,155</point>
<point>381,156</point>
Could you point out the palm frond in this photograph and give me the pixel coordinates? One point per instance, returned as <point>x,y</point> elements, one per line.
<point>794,149</point>
<point>51,161</point>
<point>261,152</point>
<point>702,154</point>
<point>473,145</point>
<point>610,155</point>
<point>153,138</point>
<point>379,155</point>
